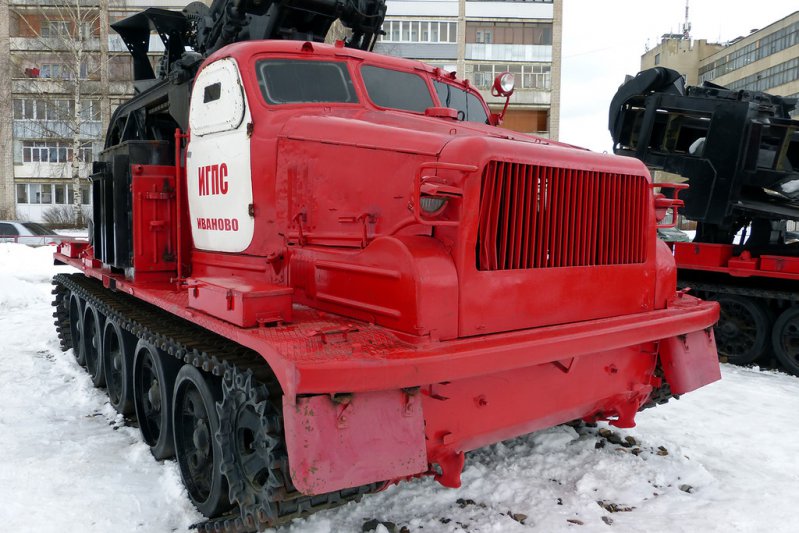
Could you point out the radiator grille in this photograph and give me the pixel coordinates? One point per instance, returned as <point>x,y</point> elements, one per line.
<point>543,217</point>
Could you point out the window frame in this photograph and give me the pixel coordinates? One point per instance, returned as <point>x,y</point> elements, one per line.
<point>424,77</point>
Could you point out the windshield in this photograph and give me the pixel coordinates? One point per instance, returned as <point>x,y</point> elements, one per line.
<point>288,81</point>
<point>469,107</point>
<point>395,89</point>
<point>36,229</point>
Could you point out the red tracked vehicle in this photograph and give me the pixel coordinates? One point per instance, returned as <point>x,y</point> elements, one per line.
<point>342,276</point>
<point>739,152</point>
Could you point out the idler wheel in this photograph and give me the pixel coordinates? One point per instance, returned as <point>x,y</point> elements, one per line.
<point>153,382</point>
<point>195,422</point>
<point>785,338</point>
<point>118,349</point>
<point>742,332</point>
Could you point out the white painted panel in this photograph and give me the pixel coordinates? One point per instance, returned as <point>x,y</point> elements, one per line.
<point>224,109</point>
<point>528,10</point>
<point>218,170</point>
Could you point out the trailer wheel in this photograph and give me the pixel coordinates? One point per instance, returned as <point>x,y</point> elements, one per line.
<point>153,381</point>
<point>93,344</point>
<point>785,339</point>
<point>742,330</point>
<point>76,328</point>
<point>118,348</point>
<point>195,422</point>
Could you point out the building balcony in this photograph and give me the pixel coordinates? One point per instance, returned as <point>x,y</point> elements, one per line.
<point>50,86</point>
<point>50,45</point>
<point>422,51</point>
<point>515,10</point>
<point>509,52</point>
<point>47,129</point>
<point>521,97</point>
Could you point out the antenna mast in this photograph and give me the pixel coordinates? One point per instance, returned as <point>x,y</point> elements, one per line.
<point>686,27</point>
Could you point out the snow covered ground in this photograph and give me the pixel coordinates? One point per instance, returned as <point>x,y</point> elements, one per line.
<point>725,458</point>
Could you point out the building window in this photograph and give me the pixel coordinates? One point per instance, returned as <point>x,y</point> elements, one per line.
<point>54,152</point>
<point>657,59</point>
<point>60,193</point>
<point>769,78</point>
<point>526,33</point>
<point>61,71</point>
<point>85,195</point>
<point>755,51</point>
<point>22,193</point>
<point>416,31</point>
<point>536,76</point>
<point>55,28</point>
<point>47,193</point>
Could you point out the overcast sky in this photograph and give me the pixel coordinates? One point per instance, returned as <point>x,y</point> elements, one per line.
<point>604,40</point>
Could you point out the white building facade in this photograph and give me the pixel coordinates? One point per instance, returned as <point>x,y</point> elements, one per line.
<point>481,39</point>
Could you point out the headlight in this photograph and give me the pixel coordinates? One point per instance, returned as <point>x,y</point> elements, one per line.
<point>432,204</point>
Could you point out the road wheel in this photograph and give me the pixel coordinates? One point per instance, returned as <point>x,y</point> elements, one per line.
<point>742,333</point>
<point>118,348</point>
<point>76,328</point>
<point>195,423</point>
<point>153,382</point>
<point>785,339</point>
<point>93,344</point>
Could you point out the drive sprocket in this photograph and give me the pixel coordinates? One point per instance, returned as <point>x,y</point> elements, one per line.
<point>250,437</point>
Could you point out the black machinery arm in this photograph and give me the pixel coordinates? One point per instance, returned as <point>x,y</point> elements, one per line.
<point>739,150</point>
<point>207,29</point>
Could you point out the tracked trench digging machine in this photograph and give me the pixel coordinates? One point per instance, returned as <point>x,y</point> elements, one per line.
<point>738,151</point>
<point>315,270</point>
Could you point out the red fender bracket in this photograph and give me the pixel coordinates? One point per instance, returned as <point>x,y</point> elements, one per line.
<point>354,439</point>
<point>690,361</point>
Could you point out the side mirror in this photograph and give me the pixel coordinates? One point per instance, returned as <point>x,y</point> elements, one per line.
<point>503,86</point>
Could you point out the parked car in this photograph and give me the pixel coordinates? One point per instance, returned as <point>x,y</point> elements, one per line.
<point>29,233</point>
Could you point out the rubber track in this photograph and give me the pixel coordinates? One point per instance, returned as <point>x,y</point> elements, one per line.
<point>742,291</point>
<point>211,353</point>
<point>61,315</point>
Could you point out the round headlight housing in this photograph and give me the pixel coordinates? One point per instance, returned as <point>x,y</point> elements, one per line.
<point>504,84</point>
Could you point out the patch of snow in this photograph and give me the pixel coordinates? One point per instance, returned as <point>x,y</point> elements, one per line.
<point>790,186</point>
<point>720,459</point>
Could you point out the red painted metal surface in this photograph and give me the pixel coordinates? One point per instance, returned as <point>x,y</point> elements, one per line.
<point>720,258</point>
<point>351,440</point>
<point>154,221</point>
<point>683,370</point>
<point>243,303</point>
<point>545,217</point>
<point>537,294</point>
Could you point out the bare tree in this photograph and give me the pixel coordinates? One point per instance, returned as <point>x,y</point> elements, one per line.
<point>70,51</point>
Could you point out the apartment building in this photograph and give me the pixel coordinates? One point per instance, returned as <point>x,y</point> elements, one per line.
<point>62,73</point>
<point>480,39</point>
<point>765,60</point>
<point>66,72</point>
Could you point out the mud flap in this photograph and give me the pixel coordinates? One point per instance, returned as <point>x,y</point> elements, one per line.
<point>690,361</point>
<point>353,439</point>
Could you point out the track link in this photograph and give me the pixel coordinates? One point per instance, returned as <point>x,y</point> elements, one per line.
<point>61,315</point>
<point>220,357</point>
